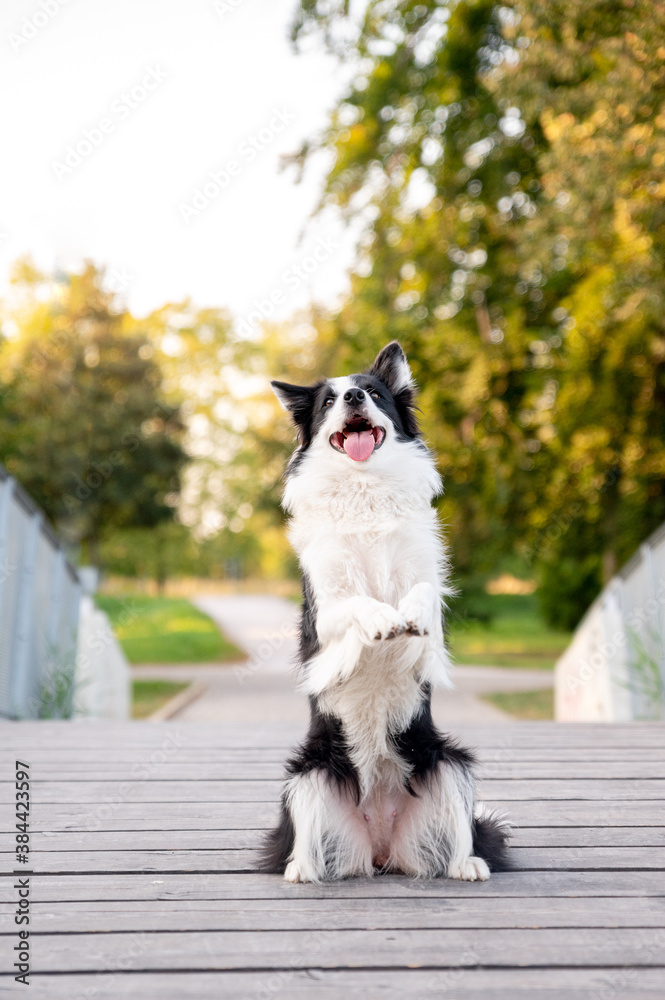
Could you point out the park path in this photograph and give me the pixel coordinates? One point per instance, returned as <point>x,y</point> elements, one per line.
<point>263,688</point>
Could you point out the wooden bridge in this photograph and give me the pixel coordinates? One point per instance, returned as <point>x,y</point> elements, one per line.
<point>144,840</point>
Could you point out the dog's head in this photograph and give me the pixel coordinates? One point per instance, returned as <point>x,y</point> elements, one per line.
<point>352,418</point>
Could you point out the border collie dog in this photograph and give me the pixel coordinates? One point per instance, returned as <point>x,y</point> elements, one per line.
<point>374,784</point>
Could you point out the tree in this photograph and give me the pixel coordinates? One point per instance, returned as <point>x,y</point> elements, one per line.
<point>593,77</point>
<point>83,424</point>
<point>508,163</point>
<point>437,160</point>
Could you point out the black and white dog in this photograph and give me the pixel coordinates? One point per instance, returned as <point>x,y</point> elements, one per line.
<point>374,785</point>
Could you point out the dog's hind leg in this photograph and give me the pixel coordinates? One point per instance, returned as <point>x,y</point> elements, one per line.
<point>458,794</point>
<point>435,836</point>
<point>329,838</point>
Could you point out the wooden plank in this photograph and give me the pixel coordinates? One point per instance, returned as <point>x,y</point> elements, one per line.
<point>238,860</point>
<point>91,792</point>
<point>267,790</point>
<point>91,732</point>
<point>521,770</point>
<point>515,885</point>
<point>206,771</point>
<point>565,813</point>
<point>588,858</point>
<point>586,836</point>
<point>117,814</point>
<point>489,743</point>
<point>583,789</point>
<point>48,759</point>
<point>139,840</point>
<point>356,984</point>
<point>212,839</point>
<point>439,948</point>
<point>232,770</point>
<point>324,914</point>
<point>163,861</point>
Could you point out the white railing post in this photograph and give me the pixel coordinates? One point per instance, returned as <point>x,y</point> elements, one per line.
<point>25,686</point>
<point>647,555</point>
<point>6,490</point>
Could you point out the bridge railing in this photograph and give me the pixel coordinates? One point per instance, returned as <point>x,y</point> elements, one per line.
<point>614,667</point>
<point>40,594</point>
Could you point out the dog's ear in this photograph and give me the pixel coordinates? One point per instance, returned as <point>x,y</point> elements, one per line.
<point>299,401</point>
<point>391,366</point>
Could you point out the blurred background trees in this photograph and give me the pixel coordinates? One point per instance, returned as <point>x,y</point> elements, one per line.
<point>506,165</point>
<point>85,427</point>
<point>508,161</point>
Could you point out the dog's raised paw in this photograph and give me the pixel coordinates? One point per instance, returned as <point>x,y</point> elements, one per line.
<point>417,618</point>
<point>415,629</point>
<point>472,869</point>
<point>384,622</point>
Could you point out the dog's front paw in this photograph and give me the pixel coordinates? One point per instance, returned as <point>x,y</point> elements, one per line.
<point>417,612</point>
<point>292,873</point>
<point>382,622</point>
<point>472,869</point>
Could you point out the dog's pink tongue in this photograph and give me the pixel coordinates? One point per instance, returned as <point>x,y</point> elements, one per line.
<point>359,445</point>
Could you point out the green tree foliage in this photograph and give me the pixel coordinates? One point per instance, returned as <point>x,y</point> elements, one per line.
<point>230,495</point>
<point>83,424</point>
<point>508,163</point>
<point>593,77</point>
<point>146,440</point>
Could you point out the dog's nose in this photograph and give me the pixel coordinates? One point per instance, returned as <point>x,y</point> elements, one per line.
<point>356,396</point>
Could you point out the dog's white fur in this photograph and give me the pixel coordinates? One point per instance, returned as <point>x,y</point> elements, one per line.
<point>370,543</point>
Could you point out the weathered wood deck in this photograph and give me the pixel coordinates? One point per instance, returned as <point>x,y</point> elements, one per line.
<point>144,841</point>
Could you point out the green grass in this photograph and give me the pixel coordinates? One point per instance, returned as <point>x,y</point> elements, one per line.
<point>148,696</point>
<point>525,704</point>
<point>515,636</point>
<point>166,630</point>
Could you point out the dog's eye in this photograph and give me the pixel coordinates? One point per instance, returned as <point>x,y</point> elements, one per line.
<point>375,395</point>
<point>329,401</point>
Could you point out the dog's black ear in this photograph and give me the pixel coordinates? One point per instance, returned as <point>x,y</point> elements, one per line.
<point>391,366</point>
<point>299,401</point>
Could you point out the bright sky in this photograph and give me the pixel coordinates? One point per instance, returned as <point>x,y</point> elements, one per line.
<point>219,91</point>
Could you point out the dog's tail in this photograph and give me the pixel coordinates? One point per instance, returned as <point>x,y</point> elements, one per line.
<point>491,833</point>
<point>278,845</point>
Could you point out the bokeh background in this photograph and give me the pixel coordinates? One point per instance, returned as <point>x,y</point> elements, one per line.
<point>202,196</point>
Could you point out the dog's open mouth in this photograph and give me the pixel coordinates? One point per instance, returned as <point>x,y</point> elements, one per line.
<point>359,439</point>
